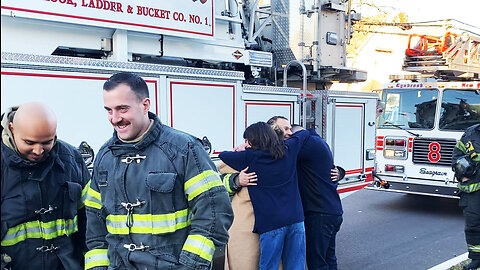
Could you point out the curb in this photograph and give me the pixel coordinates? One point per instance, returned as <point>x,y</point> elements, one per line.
<point>454,261</point>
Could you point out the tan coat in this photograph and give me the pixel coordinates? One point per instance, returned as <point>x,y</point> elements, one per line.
<point>243,247</point>
<point>242,251</point>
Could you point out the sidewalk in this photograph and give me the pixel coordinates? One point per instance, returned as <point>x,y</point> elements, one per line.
<point>446,265</point>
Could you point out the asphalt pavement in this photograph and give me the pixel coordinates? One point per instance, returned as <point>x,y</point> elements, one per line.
<point>386,230</point>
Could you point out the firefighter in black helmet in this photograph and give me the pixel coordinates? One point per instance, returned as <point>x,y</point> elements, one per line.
<point>466,165</point>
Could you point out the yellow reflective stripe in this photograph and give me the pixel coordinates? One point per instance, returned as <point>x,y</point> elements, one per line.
<point>226,183</point>
<point>96,257</point>
<point>81,203</point>
<point>95,194</point>
<point>93,198</point>
<point>85,189</point>
<point>40,229</point>
<point>461,146</point>
<point>474,248</point>
<point>148,223</point>
<point>475,156</point>
<point>469,188</point>
<point>200,245</point>
<point>201,183</point>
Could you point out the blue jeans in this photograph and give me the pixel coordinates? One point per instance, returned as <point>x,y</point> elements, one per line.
<point>287,243</point>
<point>321,231</point>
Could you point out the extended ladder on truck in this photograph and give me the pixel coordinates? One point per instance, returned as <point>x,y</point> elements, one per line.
<point>452,55</point>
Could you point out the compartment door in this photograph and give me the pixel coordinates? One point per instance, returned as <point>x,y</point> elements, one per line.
<point>203,108</point>
<point>347,137</point>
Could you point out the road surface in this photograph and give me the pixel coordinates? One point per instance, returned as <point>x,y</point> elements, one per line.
<point>386,230</point>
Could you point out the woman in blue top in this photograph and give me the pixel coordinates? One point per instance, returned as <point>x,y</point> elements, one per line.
<point>276,199</point>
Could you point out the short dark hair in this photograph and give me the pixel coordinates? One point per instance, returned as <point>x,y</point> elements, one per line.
<point>136,83</point>
<point>274,119</point>
<point>261,137</point>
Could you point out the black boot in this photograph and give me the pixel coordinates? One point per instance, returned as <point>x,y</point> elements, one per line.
<point>473,265</point>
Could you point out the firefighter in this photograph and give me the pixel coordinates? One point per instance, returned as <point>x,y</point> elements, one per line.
<point>466,163</point>
<point>43,218</point>
<point>156,200</point>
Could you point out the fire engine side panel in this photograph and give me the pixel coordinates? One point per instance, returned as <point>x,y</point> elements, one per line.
<point>262,106</point>
<point>348,131</point>
<point>351,133</point>
<point>204,108</point>
<point>76,98</point>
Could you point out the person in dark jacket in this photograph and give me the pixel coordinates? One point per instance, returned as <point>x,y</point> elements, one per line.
<point>43,218</point>
<point>466,164</point>
<point>321,202</point>
<point>156,200</point>
<point>276,200</point>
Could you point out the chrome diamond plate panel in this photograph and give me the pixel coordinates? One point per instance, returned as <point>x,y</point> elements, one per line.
<point>281,32</point>
<point>270,89</point>
<point>64,63</point>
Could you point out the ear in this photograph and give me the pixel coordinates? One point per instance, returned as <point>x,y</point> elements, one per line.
<point>10,126</point>
<point>146,105</point>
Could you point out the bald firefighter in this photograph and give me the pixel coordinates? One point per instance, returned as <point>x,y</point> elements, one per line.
<point>43,218</point>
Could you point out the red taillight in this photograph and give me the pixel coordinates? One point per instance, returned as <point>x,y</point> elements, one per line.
<point>395,168</point>
<point>389,168</point>
<point>400,142</point>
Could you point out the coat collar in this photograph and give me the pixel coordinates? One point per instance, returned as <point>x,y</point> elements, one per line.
<point>39,170</point>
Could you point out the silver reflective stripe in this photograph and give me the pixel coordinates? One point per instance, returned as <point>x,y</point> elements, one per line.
<point>469,188</point>
<point>201,182</point>
<point>160,223</point>
<point>29,229</point>
<point>147,223</point>
<point>39,229</point>
<point>93,198</point>
<point>199,244</point>
<point>96,258</point>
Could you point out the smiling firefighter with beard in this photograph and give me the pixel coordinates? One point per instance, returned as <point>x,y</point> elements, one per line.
<point>156,200</point>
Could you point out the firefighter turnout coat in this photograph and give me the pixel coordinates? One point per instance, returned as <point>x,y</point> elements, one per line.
<point>155,204</point>
<point>43,218</point>
<point>469,145</point>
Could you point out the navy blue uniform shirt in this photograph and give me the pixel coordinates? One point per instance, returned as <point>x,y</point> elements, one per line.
<point>318,192</point>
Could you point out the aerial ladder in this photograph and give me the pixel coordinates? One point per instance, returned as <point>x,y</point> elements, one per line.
<point>450,56</point>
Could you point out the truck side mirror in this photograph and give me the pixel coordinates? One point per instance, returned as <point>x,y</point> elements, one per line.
<point>380,107</point>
